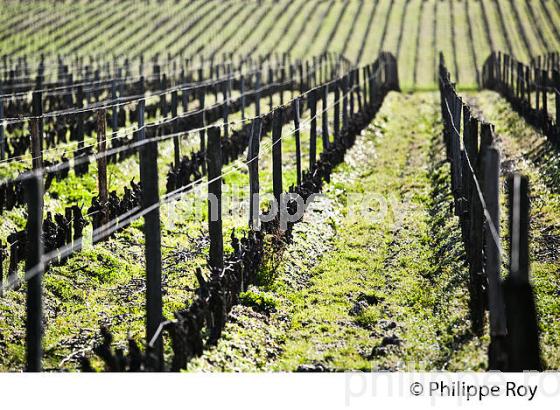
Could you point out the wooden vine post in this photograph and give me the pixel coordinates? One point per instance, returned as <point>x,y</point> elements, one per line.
<point>312,101</point>
<point>253,164</point>
<point>270,88</point>
<point>34,270</point>
<point>498,330</point>
<point>358,89</point>
<point>152,235</point>
<point>258,94</point>
<point>175,128</point>
<point>456,171</point>
<point>325,118</point>
<point>80,119</point>
<point>37,132</point>
<point>102,166</point>
<point>523,332</point>
<point>296,109</point>
<point>345,101</point>
<point>351,92</point>
<point>185,99</point>
<point>281,86</point>
<point>202,123</point>
<point>556,83</point>
<point>225,109</point>
<point>544,85</point>
<point>214,166</point>
<point>114,114</point>
<point>242,96</point>
<point>277,154</point>
<point>336,120</point>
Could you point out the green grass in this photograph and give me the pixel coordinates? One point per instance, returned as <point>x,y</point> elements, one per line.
<point>384,262</point>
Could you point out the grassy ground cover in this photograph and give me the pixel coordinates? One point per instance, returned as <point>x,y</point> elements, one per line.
<point>362,291</point>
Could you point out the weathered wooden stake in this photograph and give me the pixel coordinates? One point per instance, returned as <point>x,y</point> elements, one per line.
<point>476,240</point>
<point>216,88</point>
<point>308,74</point>
<point>115,111</point>
<point>336,119</point>
<point>358,89</point>
<point>163,97</point>
<point>102,165</point>
<point>325,118</point>
<point>185,99</point>
<point>527,82</point>
<point>365,76</point>
<point>225,111</point>
<point>214,165</point>
<point>68,217</point>
<point>519,226</point>
<point>352,91</point>
<point>270,88</point>
<point>523,332</point>
<point>175,128</point>
<point>301,80</point>
<point>253,164</point>
<point>456,182</point>
<point>498,329</point>
<point>312,101</point>
<point>34,269</point>
<point>242,97</point>
<point>80,118</point>
<point>371,83</point>
<point>277,154</point>
<point>281,86</point>
<point>152,234</point>
<point>345,101</point>
<point>202,133</point>
<point>556,81</point>
<point>296,109</point>
<point>536,73</point>
<point>37,132</point>
<point>258,94</point>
